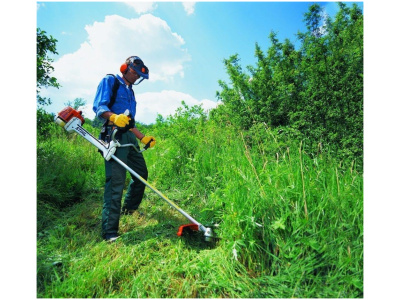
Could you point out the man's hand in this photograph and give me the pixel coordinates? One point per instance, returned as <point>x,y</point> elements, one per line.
<point>119,120</point>
<point>148,139</point>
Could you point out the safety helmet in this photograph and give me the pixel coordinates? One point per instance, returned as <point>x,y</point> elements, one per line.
<point>136,63</point>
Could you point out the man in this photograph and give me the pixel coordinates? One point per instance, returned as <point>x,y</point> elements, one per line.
<point>111,101</point>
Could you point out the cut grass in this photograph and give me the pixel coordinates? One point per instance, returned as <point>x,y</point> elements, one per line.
<point>149,260</point>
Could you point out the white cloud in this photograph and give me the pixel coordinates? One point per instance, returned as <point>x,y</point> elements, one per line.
<point>108,44</point>
<point>142,7</point>
<point>39,5</point>
<point>165,103</point>
<point>189,7</point>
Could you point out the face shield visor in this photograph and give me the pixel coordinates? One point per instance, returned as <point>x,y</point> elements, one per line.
<point>138,66</point>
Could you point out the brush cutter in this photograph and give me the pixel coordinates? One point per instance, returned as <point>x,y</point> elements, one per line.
<point>72,121</point>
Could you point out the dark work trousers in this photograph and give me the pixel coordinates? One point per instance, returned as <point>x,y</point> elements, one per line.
<point>115,182</point>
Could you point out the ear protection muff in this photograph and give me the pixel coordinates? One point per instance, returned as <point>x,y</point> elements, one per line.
<point>124,68</point>
<point>125,65</point>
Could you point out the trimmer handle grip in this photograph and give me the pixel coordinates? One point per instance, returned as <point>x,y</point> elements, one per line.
<point>147,146</point>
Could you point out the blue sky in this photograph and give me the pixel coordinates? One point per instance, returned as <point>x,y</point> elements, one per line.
<point>182,43</point>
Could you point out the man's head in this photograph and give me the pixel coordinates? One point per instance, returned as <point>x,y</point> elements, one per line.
<point>134,69</point>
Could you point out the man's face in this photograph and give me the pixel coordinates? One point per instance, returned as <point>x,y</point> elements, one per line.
<point>131,75</point>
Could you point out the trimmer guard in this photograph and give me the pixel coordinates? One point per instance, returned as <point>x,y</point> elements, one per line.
<point>193,227</point>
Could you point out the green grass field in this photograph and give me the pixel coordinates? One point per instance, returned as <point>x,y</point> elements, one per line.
<point>290,223</point>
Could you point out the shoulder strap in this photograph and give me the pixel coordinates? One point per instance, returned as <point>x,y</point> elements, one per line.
<point>113,91</point>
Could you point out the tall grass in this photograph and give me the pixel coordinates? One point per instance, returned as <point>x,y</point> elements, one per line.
<point>68,170</point>
<point>280,210</point>
<point>290,223</point>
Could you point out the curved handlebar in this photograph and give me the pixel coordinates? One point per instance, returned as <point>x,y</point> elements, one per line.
<point>114,132</point>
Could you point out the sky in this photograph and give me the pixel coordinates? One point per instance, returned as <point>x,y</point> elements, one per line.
<point>182,43</point>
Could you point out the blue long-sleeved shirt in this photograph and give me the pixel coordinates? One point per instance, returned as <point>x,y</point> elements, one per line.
<point>125,98</point>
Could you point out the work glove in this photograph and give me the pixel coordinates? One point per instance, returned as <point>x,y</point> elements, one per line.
<point>120,120</point>
<point>148,140</point>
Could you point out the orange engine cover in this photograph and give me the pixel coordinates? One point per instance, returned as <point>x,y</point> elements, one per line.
<point>68,113</point>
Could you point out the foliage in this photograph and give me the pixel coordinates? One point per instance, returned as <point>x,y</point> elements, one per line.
<point>44,44</point>
<point>316,90</point>
<point>44,123</point>
<point>97,123</point>
<point>290,223</point>
<point>76,104</point>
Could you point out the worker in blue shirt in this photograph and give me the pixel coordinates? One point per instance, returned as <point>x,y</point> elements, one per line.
<point>113,97</point>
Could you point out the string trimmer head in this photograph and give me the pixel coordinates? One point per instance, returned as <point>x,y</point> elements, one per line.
<point>208,232</point>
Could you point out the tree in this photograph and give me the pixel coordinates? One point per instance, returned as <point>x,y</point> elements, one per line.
<point>44,44</point>
<point>346,46</point>
<point>316,90</point>
<point>78,102</point>
<point>235,98</point>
